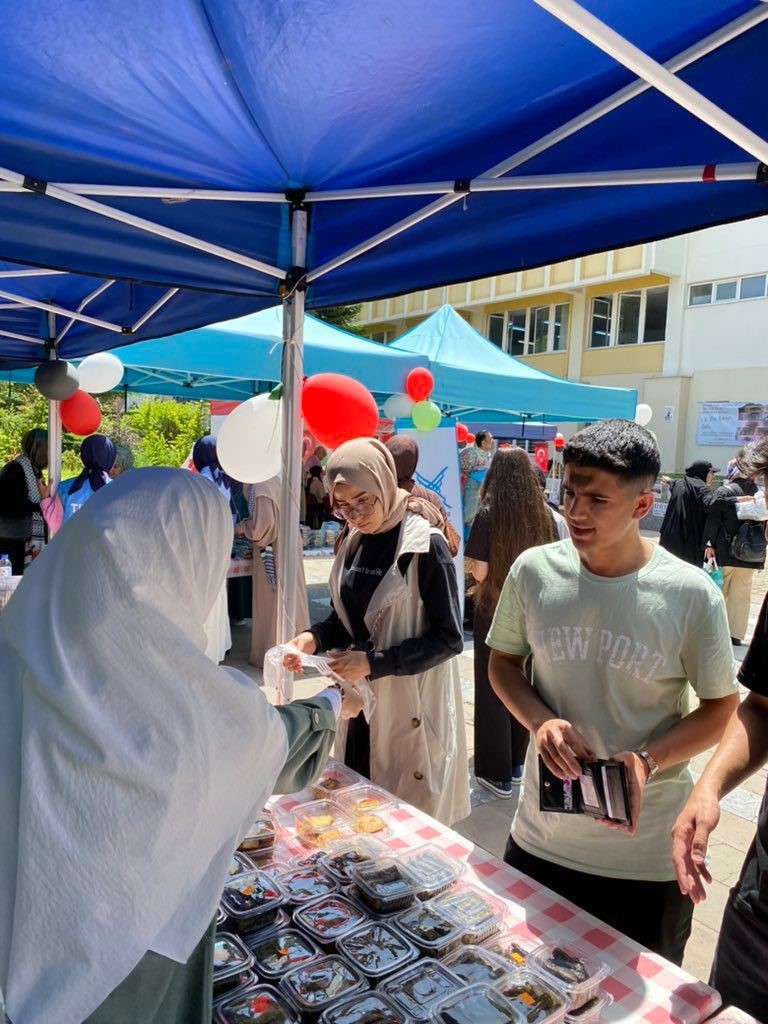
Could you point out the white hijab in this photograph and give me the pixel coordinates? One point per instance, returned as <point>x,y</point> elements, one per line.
<point>130,765</point>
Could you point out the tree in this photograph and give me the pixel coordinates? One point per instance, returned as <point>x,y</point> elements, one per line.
<point>344,317</point>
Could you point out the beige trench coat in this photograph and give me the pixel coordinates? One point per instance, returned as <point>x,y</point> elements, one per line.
<point>418,742</point>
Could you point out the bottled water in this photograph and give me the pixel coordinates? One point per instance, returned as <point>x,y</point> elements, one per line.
<point>5,567</point>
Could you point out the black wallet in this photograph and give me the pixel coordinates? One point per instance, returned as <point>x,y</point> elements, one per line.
<point>601,792</point>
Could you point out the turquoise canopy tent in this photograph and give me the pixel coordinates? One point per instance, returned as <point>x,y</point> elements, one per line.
<point>474,378</point>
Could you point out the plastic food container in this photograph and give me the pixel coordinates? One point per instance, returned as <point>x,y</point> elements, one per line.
<point>578,973</point>
<point>369,809</point>
<point>385,885</point>
<point>476,1004</point>
<point>251,901</point>
<point>477,966</point>
<point>590,1012</point>
<point>260,1004</point>
<point>280,951</point>
<point>317,986</point>
<point>231,958</point>
<point>435,870</point>
<point>512,948</point>
<point>431,930</point>
<point>377,948</point>
<point>255,935</point>
<point>329,918</point>
<point>339,860</point>
<point>366,1008</point>
<point>221,917</point>
<point>335,777</point>
<point>480,913</point>
<point>239,863</point>
<point>305,883</point>
<point>260,837</point>
<point>320,823</point>
<point>419,987</point>
<point>539,1001</point>
<point>309,860</point>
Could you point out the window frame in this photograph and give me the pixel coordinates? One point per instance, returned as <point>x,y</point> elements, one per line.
<point>738,282</point>
<point>613,317</point>
<point>530,319</point>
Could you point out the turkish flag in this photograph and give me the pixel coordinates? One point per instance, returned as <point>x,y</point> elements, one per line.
<point>541,456</point>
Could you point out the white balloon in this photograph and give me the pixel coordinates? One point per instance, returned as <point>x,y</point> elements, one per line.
<point>398,407</point>
<point>100,372</point>
<point>249,443</point>
<point>643,414</point>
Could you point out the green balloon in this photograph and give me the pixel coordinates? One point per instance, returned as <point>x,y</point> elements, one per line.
<point>426,416</point>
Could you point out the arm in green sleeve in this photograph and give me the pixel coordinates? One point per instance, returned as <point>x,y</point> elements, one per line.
<point>311,729</point>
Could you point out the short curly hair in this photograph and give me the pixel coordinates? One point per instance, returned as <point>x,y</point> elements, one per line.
<point>620,447</point>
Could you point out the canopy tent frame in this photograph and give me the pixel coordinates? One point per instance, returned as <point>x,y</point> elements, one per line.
<point>295,280</point>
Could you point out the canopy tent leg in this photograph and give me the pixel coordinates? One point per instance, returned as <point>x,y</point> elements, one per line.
<point>55,436</point>
<point>291,483</point>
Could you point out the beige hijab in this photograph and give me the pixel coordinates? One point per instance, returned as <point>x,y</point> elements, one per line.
<point>366,463</point>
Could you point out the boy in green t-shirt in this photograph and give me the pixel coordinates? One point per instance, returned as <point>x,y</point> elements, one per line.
<point>618,628</point>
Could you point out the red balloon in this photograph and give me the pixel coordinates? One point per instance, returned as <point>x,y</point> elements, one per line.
<point>80,414</point>
<point>462,433</point>
<point>337,408</point>
<point>419,384</point>
<point>559,442</point>
<point>470,438</point>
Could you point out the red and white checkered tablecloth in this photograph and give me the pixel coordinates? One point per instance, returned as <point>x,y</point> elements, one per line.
<point>645,987</point>
<point>240,567</point>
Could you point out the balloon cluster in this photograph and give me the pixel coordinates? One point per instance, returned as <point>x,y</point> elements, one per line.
<point>426,415</point>
<point>59,381</point>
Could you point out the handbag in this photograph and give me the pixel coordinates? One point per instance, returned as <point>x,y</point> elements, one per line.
<point>713,570</point>
<point>749,544</point>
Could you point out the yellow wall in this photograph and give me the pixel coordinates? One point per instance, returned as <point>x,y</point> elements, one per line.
<point>539,300</point>
<point>628,284</point>
<point>555,363</point>
<point>595,362</point>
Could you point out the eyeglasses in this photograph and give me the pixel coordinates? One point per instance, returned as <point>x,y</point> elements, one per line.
<point>359,510</point>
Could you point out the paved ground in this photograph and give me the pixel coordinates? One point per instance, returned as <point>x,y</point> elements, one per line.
<point>488,824</point>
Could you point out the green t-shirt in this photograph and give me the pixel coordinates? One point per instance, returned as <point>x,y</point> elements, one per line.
<point>614,657</point>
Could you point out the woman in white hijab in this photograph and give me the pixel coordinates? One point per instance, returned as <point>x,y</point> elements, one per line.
<point>130,765</point>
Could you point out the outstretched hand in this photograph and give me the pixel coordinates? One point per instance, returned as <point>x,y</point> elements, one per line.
<point>690,835</point>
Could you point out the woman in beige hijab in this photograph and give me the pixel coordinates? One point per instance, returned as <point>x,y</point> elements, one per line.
<point>396,620</point>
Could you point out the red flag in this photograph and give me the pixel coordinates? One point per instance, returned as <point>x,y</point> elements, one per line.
<point>541,456</point>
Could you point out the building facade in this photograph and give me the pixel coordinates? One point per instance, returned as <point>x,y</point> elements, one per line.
<point>684,321</point>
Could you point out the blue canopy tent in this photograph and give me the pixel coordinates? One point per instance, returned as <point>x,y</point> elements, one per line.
<point>472,374</point>
<point>254,151</point>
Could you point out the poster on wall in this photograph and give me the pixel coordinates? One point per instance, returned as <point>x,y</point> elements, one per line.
<point>732,423</point>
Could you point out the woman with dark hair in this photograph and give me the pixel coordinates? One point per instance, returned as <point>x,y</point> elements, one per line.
<point>97,454</point>
<point>23,494</point>
<point>511,518</point>
<point>683,526</point>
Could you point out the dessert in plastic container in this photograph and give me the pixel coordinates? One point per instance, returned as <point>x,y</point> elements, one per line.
<point>251,901</point>
<point>385,885</point>
<point>419,987</point>
<point>435,870</point>
<point>317,986</point>
<point>480,913</point>
<point>303,884</point>
<point>513,948</point>
<point>431,930</point>
<point>280,951</point>
<point>539,1000</point>
<point>231,958</point>
<point>578,973</point>
<point>476,1004</point>
<point>221,917</point>
<point>366,1008</point>
<point>369,809</point>
<point>255,935</point>
<point>335,777</point>
<point>341,857</point>
<point>239,863</point>
<point>477,966</point>
<point>260,837</point>
<point>590,1012</point>
<point>260,1004</point>
<point>329,918</point>
<point>320,823</point>
<point>307,860</point>
<point>377,948</point>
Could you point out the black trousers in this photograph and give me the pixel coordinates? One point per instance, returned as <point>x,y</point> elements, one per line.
<point>500,740</point>
<point>738,971</point>
<point>655,914</point>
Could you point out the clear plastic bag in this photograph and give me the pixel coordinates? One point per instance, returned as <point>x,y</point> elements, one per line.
<point>314,665</point>
<point>755,509</point>
<point>713,570</point>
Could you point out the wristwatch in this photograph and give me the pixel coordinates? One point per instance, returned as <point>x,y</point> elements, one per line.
<point>653,766</point>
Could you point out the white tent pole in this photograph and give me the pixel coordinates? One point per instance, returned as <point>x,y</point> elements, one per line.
<point>712,42</point>
<point>626,53</point>
<point>37,272</point>
<point>50,307</point>
<point>155,308</point>
<point>88,298</point>
<point>55,438</point>
<point>172,195</point>
<point>22,337</point>
<point>293,373</point>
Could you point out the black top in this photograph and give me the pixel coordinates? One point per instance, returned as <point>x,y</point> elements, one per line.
<point>722,524</point>
<point>14,496</point>
<point>363,571</point>
<point>683,526</point>
<point>751,893</point>
<point>478,544</point>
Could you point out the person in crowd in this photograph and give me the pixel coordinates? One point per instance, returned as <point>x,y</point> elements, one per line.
<point>25,499</point>
<point>124,461</point>
<point>396,621</point>
<point>618,628</point>
<point>97,454</point>
<point>511,518</point>
<point>318,458</point>
<point>405,451</point>
<point>262,528</point>
<point>132,765</point>
<point>205,459</point>
<point>743,750</point>
<point>561,526</point>
<point>721,529</point>
<point>474,465</point>
<point>315,498</point>
<point>683,526</point>
<point>484,441</point>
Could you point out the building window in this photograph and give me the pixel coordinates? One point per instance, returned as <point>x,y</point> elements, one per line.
<point>381,336</point>
<point>533,331</point>
<point>629,318</point>
<point>752,287</point>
